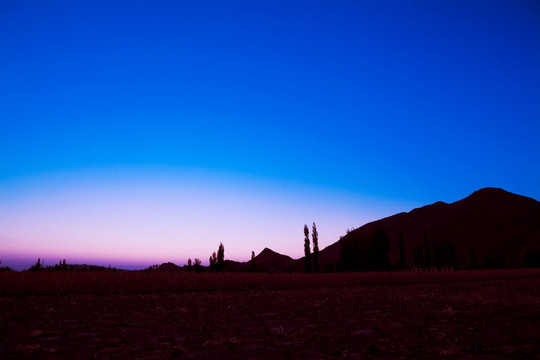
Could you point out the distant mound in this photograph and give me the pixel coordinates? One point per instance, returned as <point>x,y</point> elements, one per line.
<point>271,261</point>
<point>491,228</point>
<point>169,267</point>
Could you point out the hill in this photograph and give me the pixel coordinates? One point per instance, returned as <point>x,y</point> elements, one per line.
<point>169,267</point>
<point>491,228</point>
<point>271,261</point>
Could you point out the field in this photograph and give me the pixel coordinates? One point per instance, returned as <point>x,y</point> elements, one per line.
<point>138,315</point>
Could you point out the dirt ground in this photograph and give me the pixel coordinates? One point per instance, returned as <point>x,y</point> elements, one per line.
<point>481,319</point>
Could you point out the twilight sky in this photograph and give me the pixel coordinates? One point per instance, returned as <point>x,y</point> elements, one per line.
<point>139,132</point>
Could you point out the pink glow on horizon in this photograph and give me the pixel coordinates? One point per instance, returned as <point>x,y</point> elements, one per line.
<point>126,220</point>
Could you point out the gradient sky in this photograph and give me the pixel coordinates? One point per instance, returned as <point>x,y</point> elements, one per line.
<point>139,132</point>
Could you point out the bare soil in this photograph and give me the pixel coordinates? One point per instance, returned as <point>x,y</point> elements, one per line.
<point>488,317</point>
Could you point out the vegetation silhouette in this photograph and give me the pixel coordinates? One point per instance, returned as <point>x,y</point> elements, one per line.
<point>213,262</point>
<point>307,251</point>
<point>221,257</point>
<point>315,238</point>
<point>62,266</point>
<point>38,266</point>
<point>370,255</point>
<point>217,260</point>
<point>5,268</point>
<point>491,228</point>
<point>402,259</point>
<point>197,265</point>
<point>427,257</point>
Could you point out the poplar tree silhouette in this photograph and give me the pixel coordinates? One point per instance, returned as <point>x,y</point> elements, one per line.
<point>220,257</point>
<point>402,260</point>
<point>253,261</point>
<point>38,265</point>
<point>213,261</point>
<point>217,260</point>
<point>426,249</point>
<point>307,250</point>
<point>315,238</point>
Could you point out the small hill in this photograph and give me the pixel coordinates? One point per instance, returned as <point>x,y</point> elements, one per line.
<point>491,228</point>
<point>271,261</point>
<point>169,267</point>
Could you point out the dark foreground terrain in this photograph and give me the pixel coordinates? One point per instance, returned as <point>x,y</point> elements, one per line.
<point>457,315</point>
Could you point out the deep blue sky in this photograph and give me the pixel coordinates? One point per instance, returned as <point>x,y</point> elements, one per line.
<point>402,102</point>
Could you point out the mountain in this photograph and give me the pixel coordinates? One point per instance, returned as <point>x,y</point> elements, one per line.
<point>169,267</point>
<point>271,261</point>
<point>491,228</point>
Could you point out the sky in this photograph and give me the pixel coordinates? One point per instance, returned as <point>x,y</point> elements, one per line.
<point>138,132</point>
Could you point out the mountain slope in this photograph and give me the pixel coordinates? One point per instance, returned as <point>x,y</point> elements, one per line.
<point>490,228</point>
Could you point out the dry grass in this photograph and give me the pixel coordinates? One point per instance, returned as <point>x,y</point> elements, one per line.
<point>127,315</point>
<point>61,283</point>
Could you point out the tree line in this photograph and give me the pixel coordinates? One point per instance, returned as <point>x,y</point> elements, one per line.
<point>216,262</point>
<point>311,260</point>
<point>4,268</point>
<point>63,266</point>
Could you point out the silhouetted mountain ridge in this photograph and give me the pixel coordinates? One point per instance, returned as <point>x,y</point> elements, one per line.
<point>491,228</point>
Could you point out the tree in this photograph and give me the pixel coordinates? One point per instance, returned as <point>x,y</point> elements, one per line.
<point>444,254</point>
<point>189,265</point>
<point>253,261</point>
<point>4,268</point>
<point>402,260</point>
<point>213,261</point>
<point>307,250</point>
<point>379,244</point>
<point>198,266</point>
<point>366,253</point>
<point>37,266</point>
<point>217,260</point>
<point>418,255</point>
<point>426,249</point>
<point>473,257</point>
<point>315,238</point>
<point>220,257</point>
<point>352,251</point>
